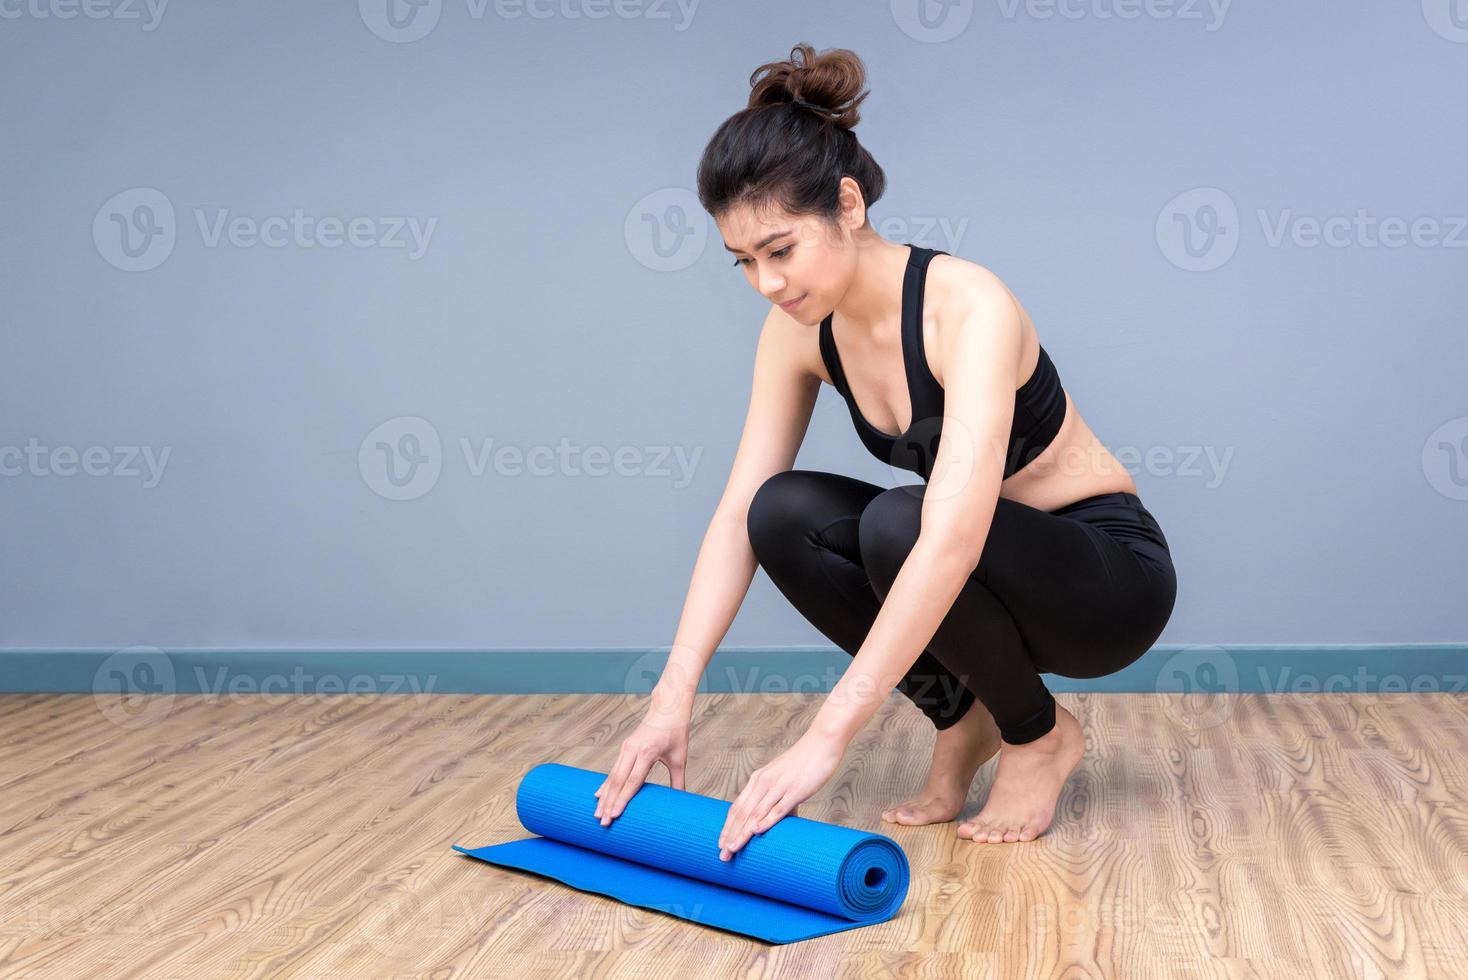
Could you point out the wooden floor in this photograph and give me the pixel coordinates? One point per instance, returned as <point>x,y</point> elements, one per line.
<point>1284,835</point>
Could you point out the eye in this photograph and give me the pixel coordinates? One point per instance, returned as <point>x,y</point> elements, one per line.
<point>777,254</point>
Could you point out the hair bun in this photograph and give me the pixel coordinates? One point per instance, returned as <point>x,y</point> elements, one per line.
<point>830,83</point>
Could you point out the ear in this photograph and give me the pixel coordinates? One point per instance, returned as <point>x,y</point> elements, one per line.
<point>853,205</point>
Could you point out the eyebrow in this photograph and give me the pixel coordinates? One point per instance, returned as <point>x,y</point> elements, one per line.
<point>763,241</point>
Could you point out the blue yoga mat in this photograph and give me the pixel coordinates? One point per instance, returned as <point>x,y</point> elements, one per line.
<point>799,879</point>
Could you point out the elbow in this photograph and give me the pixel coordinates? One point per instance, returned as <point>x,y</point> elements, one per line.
<point>955,545</point>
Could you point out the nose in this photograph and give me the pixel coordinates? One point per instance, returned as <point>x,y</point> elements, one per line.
<point>771,286</point>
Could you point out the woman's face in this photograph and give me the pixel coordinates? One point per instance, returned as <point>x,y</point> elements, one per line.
<point>797,261</point>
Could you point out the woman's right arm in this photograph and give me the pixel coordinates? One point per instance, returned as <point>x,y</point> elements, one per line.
<point>782,398</point>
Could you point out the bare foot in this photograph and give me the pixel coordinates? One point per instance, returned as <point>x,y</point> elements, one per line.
<point>1027,785</point>
<point>958,751</point>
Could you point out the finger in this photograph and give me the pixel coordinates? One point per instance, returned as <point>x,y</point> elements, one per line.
<point>731,819</point>
<point>629,789</point>
<point>739,810</point>
<point>768,812</point>
<point>745,828</point>
<point>615,778</point>
<point>676,773</point>
<point>742,829</point>
<point>611,802</point>
<point>776,814</point>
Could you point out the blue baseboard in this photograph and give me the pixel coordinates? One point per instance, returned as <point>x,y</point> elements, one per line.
<point>1194,668</point>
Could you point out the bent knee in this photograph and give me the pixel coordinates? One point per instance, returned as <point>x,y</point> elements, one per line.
<point>889,526</point>
<point>773,512</point>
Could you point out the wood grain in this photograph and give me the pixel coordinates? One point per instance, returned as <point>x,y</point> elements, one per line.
<point>1252,835</point>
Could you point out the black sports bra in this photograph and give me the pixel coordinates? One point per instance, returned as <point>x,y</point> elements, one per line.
<point>1039,404</point>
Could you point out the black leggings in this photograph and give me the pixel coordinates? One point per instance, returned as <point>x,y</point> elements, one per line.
<point>1080,591</point>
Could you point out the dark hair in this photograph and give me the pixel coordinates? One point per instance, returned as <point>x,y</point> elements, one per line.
<point>778,151</point>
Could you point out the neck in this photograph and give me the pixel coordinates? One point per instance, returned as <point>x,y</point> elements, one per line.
<point>874,300</point>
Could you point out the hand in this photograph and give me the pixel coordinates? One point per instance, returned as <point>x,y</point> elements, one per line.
<point>658,739</point>
<point>777,788</point>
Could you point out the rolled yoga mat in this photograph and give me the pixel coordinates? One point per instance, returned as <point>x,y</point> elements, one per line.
<point>799,879</point>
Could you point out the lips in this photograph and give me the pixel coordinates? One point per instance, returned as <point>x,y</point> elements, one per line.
<point>792,304</point>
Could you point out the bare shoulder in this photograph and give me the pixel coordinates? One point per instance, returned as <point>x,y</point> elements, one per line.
<point>960,292</point>
<point>958,286</point>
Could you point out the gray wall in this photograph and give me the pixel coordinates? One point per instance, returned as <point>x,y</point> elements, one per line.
<point>1302,404</point>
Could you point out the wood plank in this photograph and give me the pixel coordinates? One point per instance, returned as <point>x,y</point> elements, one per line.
<point>1251,835</point>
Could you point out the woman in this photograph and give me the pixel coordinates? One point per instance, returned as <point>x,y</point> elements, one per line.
<point>1024,550</point>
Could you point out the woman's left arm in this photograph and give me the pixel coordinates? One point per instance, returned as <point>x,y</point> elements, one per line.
<point>979,365</point>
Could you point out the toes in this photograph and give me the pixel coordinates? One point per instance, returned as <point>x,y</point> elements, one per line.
<point>1027,832</point>
<point>1011,835</point>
